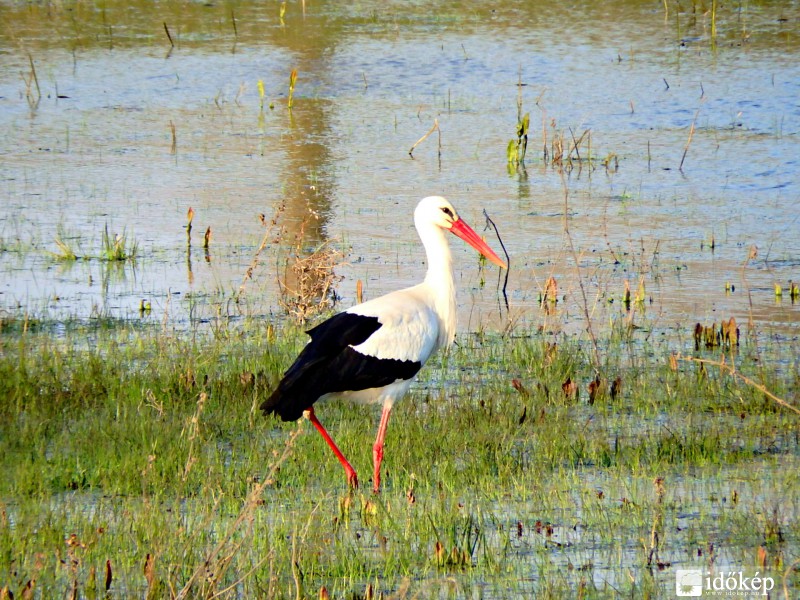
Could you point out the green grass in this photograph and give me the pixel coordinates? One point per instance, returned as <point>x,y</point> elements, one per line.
<point>65,251</point>
<point>118,247</point>
<point>113,248</point>
<point>142,443</point>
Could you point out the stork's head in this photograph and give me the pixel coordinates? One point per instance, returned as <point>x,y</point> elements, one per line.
<point>435,210</point>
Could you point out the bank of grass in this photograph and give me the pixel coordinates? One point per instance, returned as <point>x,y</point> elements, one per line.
<point>138,452</point>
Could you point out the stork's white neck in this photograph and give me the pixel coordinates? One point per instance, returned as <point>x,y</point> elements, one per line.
<point>439,279</point>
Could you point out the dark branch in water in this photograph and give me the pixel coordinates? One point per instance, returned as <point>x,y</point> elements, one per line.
<point>508,258</point>
<point>169,36</point>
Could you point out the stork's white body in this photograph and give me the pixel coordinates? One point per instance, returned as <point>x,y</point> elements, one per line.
<point>371,352</point>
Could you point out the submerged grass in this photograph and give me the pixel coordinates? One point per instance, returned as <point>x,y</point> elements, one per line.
<point>143,458</point>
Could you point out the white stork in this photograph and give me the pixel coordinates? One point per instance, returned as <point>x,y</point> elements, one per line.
<point>371,352</point>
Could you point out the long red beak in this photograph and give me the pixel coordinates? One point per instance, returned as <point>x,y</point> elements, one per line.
<point>466,233</point>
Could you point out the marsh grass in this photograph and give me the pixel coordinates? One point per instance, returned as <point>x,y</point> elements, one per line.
<point>147,450</point>
<point>140,462</point>
<point>67,246</point>
<point>65,251</point>
<point>118,247</point>
<point>113,248</point>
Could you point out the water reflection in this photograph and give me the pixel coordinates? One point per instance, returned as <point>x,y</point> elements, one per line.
<point>308,176</point>
<point>123,135</point>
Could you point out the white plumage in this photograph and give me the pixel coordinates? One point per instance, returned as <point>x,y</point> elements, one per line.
<point>371,352</point>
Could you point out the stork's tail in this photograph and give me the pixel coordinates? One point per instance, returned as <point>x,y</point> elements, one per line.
<point>279,404</point>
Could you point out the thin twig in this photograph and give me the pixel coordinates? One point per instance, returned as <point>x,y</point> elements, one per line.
<point>253,501</point>
<point>169,36</point>
<point>752,253</point>
<point>574,145</point>
<point>297,576</point>
<point>731,369</point>
<point>425,137</point>
<point>233,585</point>
<point>35,78</point>
<point>233,22</point>
<point>254,263</point>
<point>689,141</point>
<point>585,307</point>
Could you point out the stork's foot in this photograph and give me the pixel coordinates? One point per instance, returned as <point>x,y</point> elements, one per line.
<point>352,478</point>
<point>376,480</point>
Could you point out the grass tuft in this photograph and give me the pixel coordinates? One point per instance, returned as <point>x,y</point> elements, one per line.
<point>117,247</point>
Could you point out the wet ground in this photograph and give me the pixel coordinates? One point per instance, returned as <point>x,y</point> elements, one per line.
<point>688,126</point>
<point>119,128</point>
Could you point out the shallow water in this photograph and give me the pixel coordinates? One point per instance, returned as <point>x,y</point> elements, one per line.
<point>592,530</point>
<point>96,150</point>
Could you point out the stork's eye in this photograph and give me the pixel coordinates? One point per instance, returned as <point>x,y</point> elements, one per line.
<point>447,211</point>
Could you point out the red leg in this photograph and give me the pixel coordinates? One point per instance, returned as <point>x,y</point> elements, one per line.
<point>377,449</point>
<point>352,478</point>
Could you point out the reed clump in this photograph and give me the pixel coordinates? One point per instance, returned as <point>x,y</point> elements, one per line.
<point>113,248</point>
<point>118,247</point>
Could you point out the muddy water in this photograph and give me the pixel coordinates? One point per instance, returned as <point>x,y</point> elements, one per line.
<point>93,146</point>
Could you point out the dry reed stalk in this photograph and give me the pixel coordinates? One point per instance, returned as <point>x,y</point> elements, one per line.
<point>731,370</point>
<point>425,137</point>
<point>252,502</point>
<point>557,148</point>
<point>576,143</point>
<point>544,136</point>
<point>192,432</point>
<point>35,79</point>
<point>244,576</point>
<point>264,240</point>
<point>292,83</point>
<point>174,147</point>
<point>688,141</point>
<point>585,306</point>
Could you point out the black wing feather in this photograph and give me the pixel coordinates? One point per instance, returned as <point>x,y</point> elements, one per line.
<point>329,364</point>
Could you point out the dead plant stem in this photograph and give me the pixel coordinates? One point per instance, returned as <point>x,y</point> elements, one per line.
<point>252,502</point>
<point>264,240</point>
<point>169,35</point>
<point>297,576</point>
<point>425,137</point>
<point>731,370</point>
<point>35,78</point>
<point>585,306</point>
<point>689,141</point>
